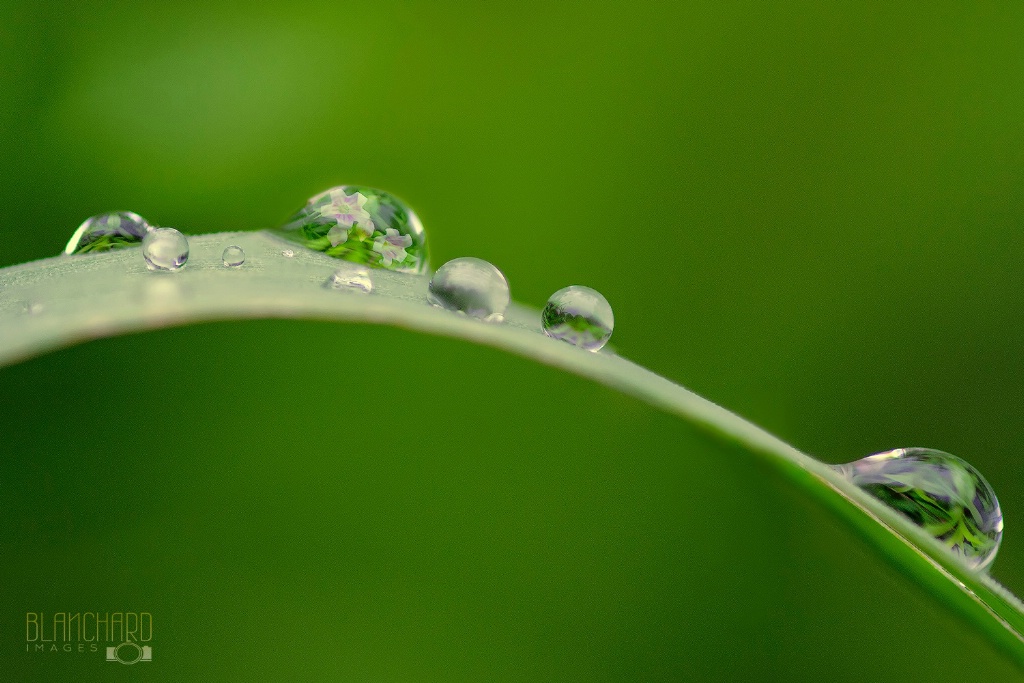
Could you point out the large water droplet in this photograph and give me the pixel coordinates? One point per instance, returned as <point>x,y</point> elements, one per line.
<point>165,249</point>
<point>939,492</point>
<point>471,286</point>
<point>233,256</point>
<point>351,277</point>
<point>362,225</point>
<point>578,315</point>
<point>108,231</point>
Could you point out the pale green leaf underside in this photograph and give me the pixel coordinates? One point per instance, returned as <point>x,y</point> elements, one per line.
<point>60,301</point>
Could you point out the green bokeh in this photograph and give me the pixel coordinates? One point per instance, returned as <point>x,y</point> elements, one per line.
<point>810,214</point>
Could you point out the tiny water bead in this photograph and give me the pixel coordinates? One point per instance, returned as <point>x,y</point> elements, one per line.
<point>288,253</point>
<point>471,286</point>
<point>165,249</point>
<point>362,225</point>
<point>580,316</point>
<point>233,256</point>
<point>939,492</point>
<point>351,277</point>
<point>107,231</point>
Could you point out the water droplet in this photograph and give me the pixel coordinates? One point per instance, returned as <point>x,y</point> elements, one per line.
<point>233,256</point>
<point>108,231</point>
<point>165,249</point>
<point>471,286</point>
<point>362,225</point>
<point>578,315</point>
<point>288,253</point>
<point>939,492</point>
<point>351,277</point>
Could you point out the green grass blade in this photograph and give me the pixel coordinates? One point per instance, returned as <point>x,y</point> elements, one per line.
<point>60,301</point>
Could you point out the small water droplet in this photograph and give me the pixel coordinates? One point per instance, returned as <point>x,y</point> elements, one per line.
<point>363,225</point>
<point>31,308</point>
<point>107,231</point>
<point>351,277</point>
<point>165,249</point>
<point>578,315</point>
<point>939,492</point>
<point>471,286</point>
<point>233,256</point>
<point>288,253</point>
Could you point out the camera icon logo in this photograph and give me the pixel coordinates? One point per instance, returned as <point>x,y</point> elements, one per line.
<point>129,653</point>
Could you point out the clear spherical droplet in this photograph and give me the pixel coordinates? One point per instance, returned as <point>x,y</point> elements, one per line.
<point>288,253</point>
<point>107,231</point>
<point>578,315</point>
<point>939,492</point>
<point>471,286</point>
<point>363,225</point>
<point>165,249</point>
<point>233,256</point>
<point>351,277</point>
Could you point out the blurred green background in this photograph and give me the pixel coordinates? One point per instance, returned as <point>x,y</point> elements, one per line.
<point>808,213</point>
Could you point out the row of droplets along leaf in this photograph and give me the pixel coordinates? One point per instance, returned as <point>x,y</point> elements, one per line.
<point>368,228</point>
<point>576,314</point>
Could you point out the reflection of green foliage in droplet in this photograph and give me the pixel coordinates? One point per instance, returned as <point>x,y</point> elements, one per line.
<point>115,230</point>
<point>556,319</point>
<point>395,242</point>
<point>106,243</point>
<point>939,492</point>
<point>580,316</point>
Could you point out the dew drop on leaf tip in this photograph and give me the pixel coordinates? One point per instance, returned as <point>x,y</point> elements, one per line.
<point>471,286</point>
<point>941,493</point>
